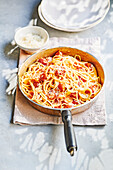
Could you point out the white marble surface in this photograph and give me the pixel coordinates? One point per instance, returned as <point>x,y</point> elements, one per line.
<point>43,147</point>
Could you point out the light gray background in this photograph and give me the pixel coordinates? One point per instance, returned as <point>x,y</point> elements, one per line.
<point>43,147</point>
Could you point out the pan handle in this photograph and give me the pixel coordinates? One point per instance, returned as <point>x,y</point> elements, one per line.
<point>70,139</point>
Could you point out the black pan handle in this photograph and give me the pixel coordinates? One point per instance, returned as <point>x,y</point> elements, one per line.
<point>70,139</point>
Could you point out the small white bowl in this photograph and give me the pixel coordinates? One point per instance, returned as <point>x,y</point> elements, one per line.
<point>32,32</point>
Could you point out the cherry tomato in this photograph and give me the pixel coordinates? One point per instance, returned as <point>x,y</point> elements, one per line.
<point>35,83</point>
<point>42,77</point>
<point>73,95</point>
<point>43,61</point>
<point>60,86</point>
<point>75,102</point>
<point>58,53</point>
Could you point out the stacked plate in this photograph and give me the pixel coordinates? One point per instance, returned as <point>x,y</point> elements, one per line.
<point>73,15</point>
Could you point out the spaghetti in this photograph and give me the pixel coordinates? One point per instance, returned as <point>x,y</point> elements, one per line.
<point>61,81</point>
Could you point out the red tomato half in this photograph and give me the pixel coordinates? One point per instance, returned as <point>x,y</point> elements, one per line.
<point>60,86</point>
<point>58,53</point>
<point>43,61</point>
<point>42,77</point>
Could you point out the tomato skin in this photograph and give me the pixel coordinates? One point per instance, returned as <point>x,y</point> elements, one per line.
<point>87,92</point>
<point>79,83</point>
<point>78,67</point>
<point>30,95</point>
<point>73,95</point>
<point>68,106</point>
<point>35,83</point>
<point>60,72</point>
<point>75,102</point>
<point>88,65</point>
<point>58,53</point>
<point>59,106</point>
<point>42,77</point>
<point>43,61</point>
<point>60,86</point>
<point>81,78</point>
<point>56,73</point>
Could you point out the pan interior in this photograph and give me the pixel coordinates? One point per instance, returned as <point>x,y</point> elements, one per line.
<point>66,51</point>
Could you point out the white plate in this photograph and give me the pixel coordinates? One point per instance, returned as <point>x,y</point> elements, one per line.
<point>73,15</point>
<point>55,27</point>
<point>50,25</point>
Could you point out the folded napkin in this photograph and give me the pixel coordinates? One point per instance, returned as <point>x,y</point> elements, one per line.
<point>25,114</point>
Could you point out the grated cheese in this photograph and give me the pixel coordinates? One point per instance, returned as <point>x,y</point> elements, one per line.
<point>31,40</point>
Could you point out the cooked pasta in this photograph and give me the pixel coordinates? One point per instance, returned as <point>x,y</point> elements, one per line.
<point>61,81</point>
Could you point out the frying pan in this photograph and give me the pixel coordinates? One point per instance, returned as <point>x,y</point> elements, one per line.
<point>66,113</point>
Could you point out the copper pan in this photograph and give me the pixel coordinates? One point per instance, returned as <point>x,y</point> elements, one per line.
<point>67,112</point>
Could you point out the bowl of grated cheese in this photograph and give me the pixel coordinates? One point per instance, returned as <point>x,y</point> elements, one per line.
<point>31,38</point>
